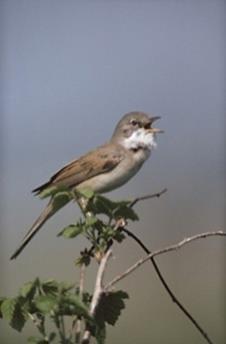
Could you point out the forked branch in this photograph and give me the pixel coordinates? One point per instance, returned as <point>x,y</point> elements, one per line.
<point>170,248</point>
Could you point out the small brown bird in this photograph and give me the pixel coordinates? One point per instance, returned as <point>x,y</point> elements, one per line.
<point>105,168</point>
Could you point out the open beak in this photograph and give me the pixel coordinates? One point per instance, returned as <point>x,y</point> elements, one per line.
<point>154,130</point>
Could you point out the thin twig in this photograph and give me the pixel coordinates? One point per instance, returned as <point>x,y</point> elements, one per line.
<point>168,289</point>
<point>142,198</point>
<point>78,322</point>
<point>37,323</point>
<point>98,290</point>
<point>160,275</point>
<point>161,251</point>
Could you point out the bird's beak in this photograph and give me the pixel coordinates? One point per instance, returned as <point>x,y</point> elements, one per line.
<point>154,130</point>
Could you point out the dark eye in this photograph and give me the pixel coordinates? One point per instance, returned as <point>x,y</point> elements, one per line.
<point>134,122</point>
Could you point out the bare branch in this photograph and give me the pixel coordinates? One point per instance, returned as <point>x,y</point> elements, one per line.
<point>99,282</point>
<point>98,290</point>
<point>142,198</point>
<point>168,289</point>
<point>78,322</point>
<point>161,251</point>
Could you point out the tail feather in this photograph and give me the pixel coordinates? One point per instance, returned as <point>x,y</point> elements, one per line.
<point>44,216</point>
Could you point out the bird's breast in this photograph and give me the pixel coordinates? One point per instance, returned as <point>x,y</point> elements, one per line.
<point>119,175</point>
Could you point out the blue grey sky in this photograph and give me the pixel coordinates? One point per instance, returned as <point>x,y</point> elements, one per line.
<point>69,71</point>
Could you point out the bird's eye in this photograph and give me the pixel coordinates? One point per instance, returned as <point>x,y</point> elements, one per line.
<point>134,122</point>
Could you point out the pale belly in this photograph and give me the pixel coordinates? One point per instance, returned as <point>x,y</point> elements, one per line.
<point>117,177</point>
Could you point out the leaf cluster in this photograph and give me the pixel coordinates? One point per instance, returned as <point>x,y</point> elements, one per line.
<point>44,301</point>
<point>99,223</point>
<point>38,300</point>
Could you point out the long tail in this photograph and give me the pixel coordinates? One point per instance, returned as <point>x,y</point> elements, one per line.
<point>44,216</point>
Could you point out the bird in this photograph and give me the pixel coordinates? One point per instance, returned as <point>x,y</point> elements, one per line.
<point>103,169</point>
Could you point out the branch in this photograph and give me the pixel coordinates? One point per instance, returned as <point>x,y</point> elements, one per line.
<point>37,323</point>
<point>142,198</point>
<point>78,320</point>
<point>168,289</point>
<point>98,290</point>
<point>161,251</point>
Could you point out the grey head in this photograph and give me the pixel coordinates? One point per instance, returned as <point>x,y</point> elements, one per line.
<point>132,122</point>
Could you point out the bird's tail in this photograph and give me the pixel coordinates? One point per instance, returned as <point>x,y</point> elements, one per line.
<point>44,216</point>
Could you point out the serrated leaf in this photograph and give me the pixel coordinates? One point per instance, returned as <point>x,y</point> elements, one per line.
<point>65,286</point>
<point>83,259</point>
<point>100,205</point>
<point>126,213</point>
<point>110,307</point>
<point>13,313</point>
<point>19,318</point>
<point>46,303</point>
<point>28,289</point>
<point>8,308</point>
<point>50,287</point>
<point>71,231</point>
<point>72,305</point>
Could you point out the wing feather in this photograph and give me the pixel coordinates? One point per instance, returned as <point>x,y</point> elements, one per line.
<point>101,160</point>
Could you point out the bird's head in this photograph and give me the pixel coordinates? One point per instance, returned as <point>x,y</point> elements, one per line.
<point>135,131</point>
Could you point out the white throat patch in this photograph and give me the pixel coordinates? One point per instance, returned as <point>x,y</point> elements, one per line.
<point>140,139</point>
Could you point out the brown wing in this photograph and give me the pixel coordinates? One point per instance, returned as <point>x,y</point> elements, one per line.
<point>96,162</point>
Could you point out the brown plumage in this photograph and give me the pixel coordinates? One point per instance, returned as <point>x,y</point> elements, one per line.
<point>102,169</point>
<point>96,162</point>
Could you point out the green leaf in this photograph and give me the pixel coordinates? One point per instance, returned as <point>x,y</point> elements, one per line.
<point>29,288</point>
<point>53,190</point>
<point>71,231</point>
<point>46,303</point>
<point>14,313</point>
<point>72,305</point>
<point>8,308</point>
<point>60,199</point>
<point>65,287</point>
<point>119,236</point>
<point>101,205</point>
<point>86,192</point>
<point>49,192</point>
<point>50,287</point>
<point>91,220</point>
<point>110,307</point>
<point>125,212</point>
<point>83,259</point>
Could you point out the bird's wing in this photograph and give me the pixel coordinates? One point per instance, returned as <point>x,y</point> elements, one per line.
<point>101,160</point>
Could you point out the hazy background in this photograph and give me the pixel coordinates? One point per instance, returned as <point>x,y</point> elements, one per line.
<point>69,71</point>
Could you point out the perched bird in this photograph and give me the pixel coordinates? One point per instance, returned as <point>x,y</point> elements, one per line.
<point>104,168</point>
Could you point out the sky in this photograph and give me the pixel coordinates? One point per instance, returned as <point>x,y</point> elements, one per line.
<point>69,71</point>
